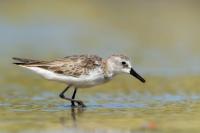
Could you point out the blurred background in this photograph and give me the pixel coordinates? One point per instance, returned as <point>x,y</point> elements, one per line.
<point>162,38</point>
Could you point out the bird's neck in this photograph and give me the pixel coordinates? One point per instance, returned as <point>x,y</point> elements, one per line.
<point>108,70</point>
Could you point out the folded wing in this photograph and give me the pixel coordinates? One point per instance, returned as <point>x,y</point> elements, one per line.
<point>75,66</point>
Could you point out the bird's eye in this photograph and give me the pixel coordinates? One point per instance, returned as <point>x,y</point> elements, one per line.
<point>123,63</point>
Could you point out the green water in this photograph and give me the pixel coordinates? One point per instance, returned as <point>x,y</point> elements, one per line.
<point>31,104</point>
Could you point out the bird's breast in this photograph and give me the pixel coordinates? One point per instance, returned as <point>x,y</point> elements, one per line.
<point>92,79</point>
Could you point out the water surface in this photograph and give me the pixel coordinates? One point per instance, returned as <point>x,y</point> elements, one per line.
<point>124,105</point>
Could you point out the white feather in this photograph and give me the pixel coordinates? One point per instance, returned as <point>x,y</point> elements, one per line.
<point>95,77</point>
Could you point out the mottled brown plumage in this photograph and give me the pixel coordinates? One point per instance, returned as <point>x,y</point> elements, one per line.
<point>75,65</point>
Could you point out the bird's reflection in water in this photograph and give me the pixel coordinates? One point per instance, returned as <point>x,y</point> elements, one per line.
<point>75,113</point>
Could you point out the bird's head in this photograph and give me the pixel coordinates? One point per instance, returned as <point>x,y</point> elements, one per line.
<point>117,64</point>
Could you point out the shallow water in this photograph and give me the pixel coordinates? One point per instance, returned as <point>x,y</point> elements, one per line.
<point>31,104</point>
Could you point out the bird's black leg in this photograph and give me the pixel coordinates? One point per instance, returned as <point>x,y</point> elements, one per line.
<point>80,103</point>
<point>73,96</point>
<point>62,94</point>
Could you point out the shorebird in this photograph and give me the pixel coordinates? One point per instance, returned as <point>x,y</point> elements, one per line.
<point>80,71</point>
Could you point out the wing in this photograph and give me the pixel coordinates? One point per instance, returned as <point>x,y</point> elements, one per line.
<point>75,65</point>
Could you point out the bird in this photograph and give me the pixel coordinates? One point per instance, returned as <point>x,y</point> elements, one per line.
<point>80,71</point>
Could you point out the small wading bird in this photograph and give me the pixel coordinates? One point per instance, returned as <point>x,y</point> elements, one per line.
<point>80,71</point>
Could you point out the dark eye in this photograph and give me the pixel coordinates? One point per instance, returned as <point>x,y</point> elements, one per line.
<point>123,63</point>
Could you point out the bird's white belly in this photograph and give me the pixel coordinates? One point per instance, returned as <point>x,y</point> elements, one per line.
<point>89,81</point>
<point>93,78</point>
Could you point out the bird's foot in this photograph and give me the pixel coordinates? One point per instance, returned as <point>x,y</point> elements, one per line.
<point>73,106</point>
<point>81,104</point>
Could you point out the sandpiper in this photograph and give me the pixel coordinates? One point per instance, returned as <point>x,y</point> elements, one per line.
<point>80,71</point>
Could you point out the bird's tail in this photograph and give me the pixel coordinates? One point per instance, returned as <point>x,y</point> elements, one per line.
<point>22,61</point>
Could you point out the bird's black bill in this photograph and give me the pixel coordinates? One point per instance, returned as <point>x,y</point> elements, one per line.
<point>133,73</point>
